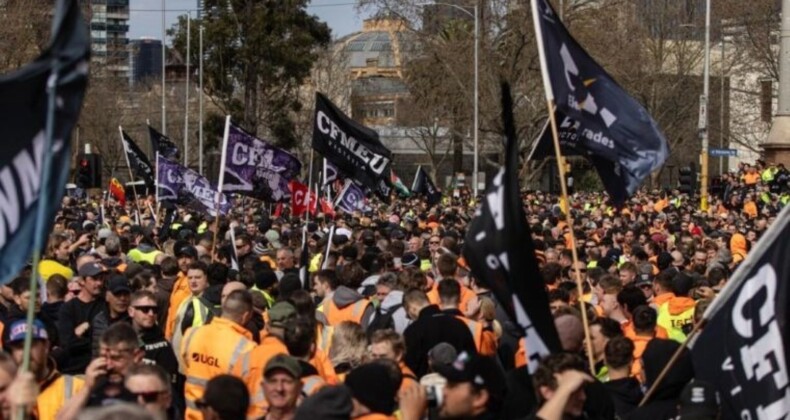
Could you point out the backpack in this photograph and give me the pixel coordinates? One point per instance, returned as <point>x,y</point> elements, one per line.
<point>383,319</point>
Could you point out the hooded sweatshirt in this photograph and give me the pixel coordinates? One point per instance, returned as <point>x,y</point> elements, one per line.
<point>343,297</point>
<point>662,404</point>
<point>395,300</point>
<point>626,394</point>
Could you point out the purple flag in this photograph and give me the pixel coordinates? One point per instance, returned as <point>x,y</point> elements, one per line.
<point>187,188</point>
<point>351,198</point>
<point>257,169</point>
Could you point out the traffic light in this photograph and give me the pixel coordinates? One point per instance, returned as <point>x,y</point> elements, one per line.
<point>88,171</point>
<point>687,178</point>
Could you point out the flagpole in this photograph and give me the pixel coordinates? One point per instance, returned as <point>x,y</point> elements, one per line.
<point>156,167</point>
<point>131,176</point>
<point>221,181</point>
<point>417,173</point>
<point>309,182</point>
<point>564,188</point>
<point>697,328</point>
<point>43,203</point>
<point>328,247</point>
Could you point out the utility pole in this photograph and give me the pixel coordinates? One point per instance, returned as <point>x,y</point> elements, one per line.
<point>186,98</point>
<point>164,91</point>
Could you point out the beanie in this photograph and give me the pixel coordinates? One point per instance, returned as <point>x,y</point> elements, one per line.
<point>371,386</point>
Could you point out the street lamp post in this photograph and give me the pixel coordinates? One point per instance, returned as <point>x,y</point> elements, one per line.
<point>476,17</point>
<point>703,116</point>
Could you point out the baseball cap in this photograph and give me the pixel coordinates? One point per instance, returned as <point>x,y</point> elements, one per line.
<point>442,354</point>
<point>481,371</point>
<point>273,238</point>
<point>283,362</point>
<point>410,260</point>
<point>281,312</point>
<point>104,233</point>
<point>699,400</point>
<point>19,329</point>
<point>118,283</point>
<point>186,251</point>
<point>91,270</point>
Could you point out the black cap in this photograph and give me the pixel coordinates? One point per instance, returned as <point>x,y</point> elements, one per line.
<point>118,283</point>
<point>187,251</point>
<point>91,270</point>
<point>482,372</point>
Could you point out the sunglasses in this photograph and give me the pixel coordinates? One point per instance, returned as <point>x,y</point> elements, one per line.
<point>147,309</point>
<point>148,397</point>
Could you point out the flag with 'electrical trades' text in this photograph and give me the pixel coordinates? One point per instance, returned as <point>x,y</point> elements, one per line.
<point>138,162</point>
<point>744,346</point>
<point>498,248</point>
<point>610,124</point>
<point>53,84</point>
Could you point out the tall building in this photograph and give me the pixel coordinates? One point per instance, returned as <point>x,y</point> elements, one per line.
<point>109,28</point>
<point>145,59</point>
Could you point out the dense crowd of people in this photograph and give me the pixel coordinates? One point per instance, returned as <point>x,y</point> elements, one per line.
<point>211,319</point>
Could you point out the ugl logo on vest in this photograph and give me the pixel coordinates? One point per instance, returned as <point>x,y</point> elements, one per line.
<point>205,359</point>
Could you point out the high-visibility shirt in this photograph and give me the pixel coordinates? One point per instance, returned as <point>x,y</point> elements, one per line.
<point>150,257</point>
<point>251,370</point>
<point>55,394</point>
<point>46,268</point>
<point>323,339</point>
<point>674,323</point>
<point>750,209</point>
<point>485,340</point>
<point>179,294</point>
<point>353,312</point>
<point>321,362</point>
<point>751,179</point>
<point>463,304</point>
<point>640,344</point>
<point>208,351</point>
<point>201,315</point>
<point>314,263</point>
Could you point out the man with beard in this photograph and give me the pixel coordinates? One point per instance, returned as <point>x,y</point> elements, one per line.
<point>55,387</point>
<point>119,350</point>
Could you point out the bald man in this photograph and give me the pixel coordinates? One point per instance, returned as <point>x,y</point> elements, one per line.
<point>254,323</point>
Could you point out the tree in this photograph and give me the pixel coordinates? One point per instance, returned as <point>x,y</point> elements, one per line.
<point>256,55</point>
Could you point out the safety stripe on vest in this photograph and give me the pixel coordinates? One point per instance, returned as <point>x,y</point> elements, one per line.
<point>310,384</point>
<point>191,405</point>
<point>259,397</point>
<point>359,307</point>
<point>245,364</point>
<point>324,338</point>
<point>236,353</point>
<point>68,384</point>
<point>194,380</point>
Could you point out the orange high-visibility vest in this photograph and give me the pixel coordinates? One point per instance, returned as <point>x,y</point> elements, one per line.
<point>211,350</point>
<point>485,341</point>
<point>179,294</point>
<point>251,370</point>
<point>353,312</point>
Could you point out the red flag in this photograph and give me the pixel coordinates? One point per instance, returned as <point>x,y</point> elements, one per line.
<point>313,205</point>
<point>300,194</point>
<point>117,191</point>
<point>278,210</point>
<point>326,208</point>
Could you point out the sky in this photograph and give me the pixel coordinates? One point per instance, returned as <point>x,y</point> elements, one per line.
<point>146,16</point>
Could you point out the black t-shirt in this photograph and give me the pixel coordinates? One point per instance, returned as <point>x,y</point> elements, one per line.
<point>77,350</point>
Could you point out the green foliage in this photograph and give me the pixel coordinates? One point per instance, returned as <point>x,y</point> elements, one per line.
<point>588,180</point>
<point>257,53</point>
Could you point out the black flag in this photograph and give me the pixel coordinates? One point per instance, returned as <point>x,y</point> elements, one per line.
<point>743,348</point>
<point>353,148</point>
<point>423,185</point>
<point>571,144</point>
<point>611,124</point>
<point>499,249</point>
<point>24,109</point>
<point>162,144</point>
<point>137,160</point>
